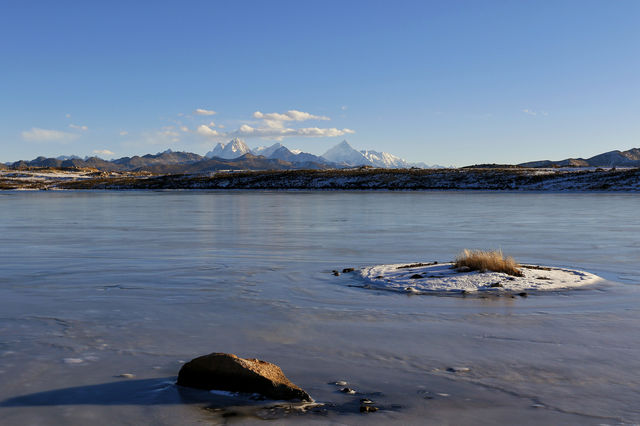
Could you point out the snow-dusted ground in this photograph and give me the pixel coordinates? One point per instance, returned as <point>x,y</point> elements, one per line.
<point>627,180</point>
<point>47,179</point>
<point>28,175</point>
<point>442,278</point>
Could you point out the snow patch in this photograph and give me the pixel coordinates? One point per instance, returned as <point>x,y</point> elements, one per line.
<point>443,278</point>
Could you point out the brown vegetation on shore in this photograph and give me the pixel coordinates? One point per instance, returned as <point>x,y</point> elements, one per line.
<point>481,260</point>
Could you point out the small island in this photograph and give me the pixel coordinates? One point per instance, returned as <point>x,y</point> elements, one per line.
<point>474,272</point>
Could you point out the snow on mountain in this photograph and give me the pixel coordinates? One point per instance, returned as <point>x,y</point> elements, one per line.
<point>283,153</point>
<point>343,153</point>
<point>266,151</point>
<point>385,160</point>
<point>233,149</point>
<point>68,157</point>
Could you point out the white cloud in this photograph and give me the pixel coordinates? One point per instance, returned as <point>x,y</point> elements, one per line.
<point>103,152</point>
<point>280,133</point>
<point>272,126</point>
<point>46,135</point>
<point>344,107</point>
<point>208,131</point>
<point>202,111</point>
<point>534,113</point>
<point>68,115</point>
<point>291,115</point>
<point>184,129</point>
<point>124,133</point>
<point>75,126</point>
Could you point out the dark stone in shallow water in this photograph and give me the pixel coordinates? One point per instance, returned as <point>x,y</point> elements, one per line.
<point>416,276</point>
<point>228,372</point>
<point>347,270</point>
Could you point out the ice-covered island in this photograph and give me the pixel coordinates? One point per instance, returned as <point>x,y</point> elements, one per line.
<point>473,272</point>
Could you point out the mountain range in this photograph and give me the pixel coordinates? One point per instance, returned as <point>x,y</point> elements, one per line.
<point>234,155</point>
<point>342,154</point>
<point>629,158</point>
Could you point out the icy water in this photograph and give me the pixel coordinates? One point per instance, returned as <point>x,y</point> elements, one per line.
<point>100,284</point>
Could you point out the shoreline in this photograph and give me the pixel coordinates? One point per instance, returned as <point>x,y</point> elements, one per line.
<point>467,179</point>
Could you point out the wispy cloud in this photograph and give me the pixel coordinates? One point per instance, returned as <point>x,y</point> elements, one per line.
<point>534,113</point>
<point>205,130</point>
<point>276,126</point>
<point>202,111</point>
<point>279,133</point>
<point>291,115</point>
<point>123,133</point>
<point>103,152</point>
<point>77,127</point>
<point>36,134</point>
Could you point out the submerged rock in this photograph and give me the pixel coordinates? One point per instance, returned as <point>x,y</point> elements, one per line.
<point>228,372</point>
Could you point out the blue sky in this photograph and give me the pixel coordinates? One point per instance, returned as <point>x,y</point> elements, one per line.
<point>446,82</point>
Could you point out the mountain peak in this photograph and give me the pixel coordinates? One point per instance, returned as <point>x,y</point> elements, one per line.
<point>233,149</point>
<point>343,153</point>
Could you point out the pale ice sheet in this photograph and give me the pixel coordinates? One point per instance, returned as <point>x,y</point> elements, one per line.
<point>442,277</point>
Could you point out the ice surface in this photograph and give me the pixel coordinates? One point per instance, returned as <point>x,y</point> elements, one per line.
<point>444,278</point>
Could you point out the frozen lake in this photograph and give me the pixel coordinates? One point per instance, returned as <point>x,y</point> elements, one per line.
<point>98,284</point>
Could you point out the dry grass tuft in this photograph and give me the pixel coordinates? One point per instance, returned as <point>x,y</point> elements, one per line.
<point>480,260</point>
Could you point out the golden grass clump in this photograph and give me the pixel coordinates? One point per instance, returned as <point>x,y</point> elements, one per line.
<point>481,260</point>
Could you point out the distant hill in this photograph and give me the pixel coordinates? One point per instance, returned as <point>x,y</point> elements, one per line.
<point>629,158</point>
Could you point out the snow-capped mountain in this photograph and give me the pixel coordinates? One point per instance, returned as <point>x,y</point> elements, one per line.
<point>283,153</point>
<point>233,149</point>
<point>385,160</point>
<point>343,153</point>
<point>267,151</point>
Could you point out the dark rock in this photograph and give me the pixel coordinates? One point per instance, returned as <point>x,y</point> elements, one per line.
<point>348,390</point>
<point>336,273</point>
<point>416,276</point>
<point>227,372</point>
<point>523,294</point>
<point>368,409</point>
<point>495,285</point>
<point>464,269</point>
<point>347,270</point>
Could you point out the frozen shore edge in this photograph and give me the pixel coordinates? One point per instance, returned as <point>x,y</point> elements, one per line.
<point>488,179</point>
<point>443,278</point>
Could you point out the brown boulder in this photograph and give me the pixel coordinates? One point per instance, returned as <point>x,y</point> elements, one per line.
<point>228,372</point>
